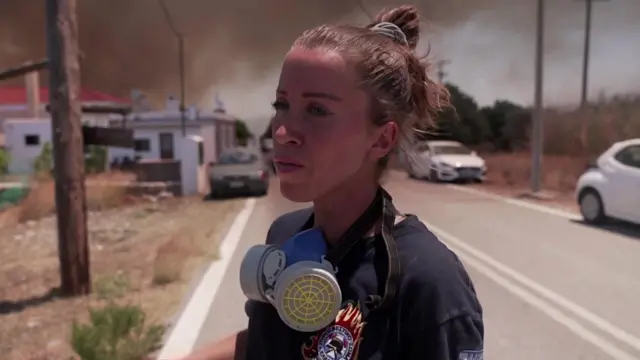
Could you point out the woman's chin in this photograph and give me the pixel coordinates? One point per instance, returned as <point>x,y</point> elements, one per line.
<point>296,192</point>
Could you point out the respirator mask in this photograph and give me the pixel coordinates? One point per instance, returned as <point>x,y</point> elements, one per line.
<point>299,277</point>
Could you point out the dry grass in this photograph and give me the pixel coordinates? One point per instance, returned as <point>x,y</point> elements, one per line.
<point>572,139</point>
<point>588,132</point>
<point>40,201</point>
<point>510,175</point>
<point>142,254</point>
<point>559,173</point>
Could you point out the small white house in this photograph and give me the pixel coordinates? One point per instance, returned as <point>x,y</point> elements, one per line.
<point>30,102</point>
<point>159,135</point>
<point>25,137</point>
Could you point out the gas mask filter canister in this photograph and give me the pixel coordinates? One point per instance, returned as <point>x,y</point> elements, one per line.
<point>296,279</point>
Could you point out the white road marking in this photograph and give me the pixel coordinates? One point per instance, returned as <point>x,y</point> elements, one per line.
<point>522,203</point>
<point>187,329</point>
<point>606,346</point>
<point>550,295</point>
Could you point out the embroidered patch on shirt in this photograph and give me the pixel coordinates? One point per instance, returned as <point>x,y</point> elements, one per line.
<point>471,355</point>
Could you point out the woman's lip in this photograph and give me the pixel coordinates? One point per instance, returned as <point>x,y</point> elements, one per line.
<point>286,162</point>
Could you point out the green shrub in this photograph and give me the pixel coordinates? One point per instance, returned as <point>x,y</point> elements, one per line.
<point>116,332</point>
<point>4,162</point>
<point>112,287</point>
<point>43,163</point>
<point>95,159</point>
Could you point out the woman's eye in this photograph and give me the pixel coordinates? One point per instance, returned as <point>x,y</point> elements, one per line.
<point>280,105</point>
<point>317,110</point>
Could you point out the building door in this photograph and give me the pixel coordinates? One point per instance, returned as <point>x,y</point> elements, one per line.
<point>166,146</point>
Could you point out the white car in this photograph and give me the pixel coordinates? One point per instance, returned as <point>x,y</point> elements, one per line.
<point>610,188</point>
<point>445,161</point>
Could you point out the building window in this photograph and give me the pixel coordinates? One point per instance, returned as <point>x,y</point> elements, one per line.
<point>141,145</point>
<point>200,153</point>
<point>166,146</point>
<point>32,140</point>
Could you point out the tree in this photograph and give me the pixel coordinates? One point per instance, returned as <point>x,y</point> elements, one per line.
<point>243,134</point>
<point>462,121</point>
<point>508,123</point>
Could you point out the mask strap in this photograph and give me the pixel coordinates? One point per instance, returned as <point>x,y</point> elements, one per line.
<point>357,230</point>
<point>382,204</point>
<point>393,258</point>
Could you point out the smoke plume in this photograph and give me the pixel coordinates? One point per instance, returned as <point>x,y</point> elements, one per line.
<point>234,48</point>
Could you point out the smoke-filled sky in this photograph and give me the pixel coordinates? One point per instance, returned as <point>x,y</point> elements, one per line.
<point>235,47</point>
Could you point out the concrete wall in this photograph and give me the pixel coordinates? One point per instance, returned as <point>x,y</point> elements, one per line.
<point>16,129</point>
<point>22,154</point>
<point>186,150</point>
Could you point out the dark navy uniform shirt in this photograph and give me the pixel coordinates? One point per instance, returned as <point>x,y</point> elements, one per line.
<point>436,314</point>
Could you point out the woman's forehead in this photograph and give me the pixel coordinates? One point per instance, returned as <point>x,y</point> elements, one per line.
<point>317,70</point>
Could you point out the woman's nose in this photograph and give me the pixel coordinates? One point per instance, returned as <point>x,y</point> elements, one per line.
<point>284,136</point>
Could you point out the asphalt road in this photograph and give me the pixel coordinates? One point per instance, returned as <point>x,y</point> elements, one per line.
<point>552,288</point>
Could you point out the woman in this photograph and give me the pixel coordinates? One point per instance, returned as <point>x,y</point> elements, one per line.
<point>346,97</point>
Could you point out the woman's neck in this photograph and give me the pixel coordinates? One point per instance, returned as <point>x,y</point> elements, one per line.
<point>335,212</point>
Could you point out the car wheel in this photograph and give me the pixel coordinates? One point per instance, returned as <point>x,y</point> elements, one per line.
<point>262,192</point>
<point>592,207</point>
<point>410,172</point>
<point>433,175</point>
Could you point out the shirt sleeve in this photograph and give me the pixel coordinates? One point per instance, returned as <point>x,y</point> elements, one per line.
<point>443,317</point>
<point>460,338</point>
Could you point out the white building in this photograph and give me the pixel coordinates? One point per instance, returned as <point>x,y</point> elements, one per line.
<point>158,135</point>
<point>24,139</point>
<point>29,103</point>
<point>155,132</point>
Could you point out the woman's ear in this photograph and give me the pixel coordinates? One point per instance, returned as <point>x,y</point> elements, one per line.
<point>386,139</point>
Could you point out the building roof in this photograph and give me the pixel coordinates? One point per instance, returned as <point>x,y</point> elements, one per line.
<point>171,121</point>
<point>18,96</point>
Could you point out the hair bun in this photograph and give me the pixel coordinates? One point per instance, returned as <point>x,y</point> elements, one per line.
<point>406,17</point>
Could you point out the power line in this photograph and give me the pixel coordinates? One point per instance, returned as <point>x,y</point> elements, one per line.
<point>364,9</point>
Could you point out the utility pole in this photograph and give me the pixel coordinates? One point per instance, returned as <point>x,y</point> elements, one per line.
<point>587,51</point>
<point>181,70</point>
<point>440,64</point>
<point>537,141</point>
<point>68,149</point>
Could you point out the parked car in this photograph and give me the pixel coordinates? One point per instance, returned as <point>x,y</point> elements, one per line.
<point>266,148</point>
<point>445,161</point>
<point>239,170</point>
<point>610,187</point>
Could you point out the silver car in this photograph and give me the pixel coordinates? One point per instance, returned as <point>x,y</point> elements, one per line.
<point>239,171</point>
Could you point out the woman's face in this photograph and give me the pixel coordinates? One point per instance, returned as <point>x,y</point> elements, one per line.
<point>323,135</point>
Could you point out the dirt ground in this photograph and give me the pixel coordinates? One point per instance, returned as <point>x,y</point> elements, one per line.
<point>509,175</point>
<point>143,254</point>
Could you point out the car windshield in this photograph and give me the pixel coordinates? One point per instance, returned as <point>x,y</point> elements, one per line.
<point>451,150</point>
<point>237,157</point>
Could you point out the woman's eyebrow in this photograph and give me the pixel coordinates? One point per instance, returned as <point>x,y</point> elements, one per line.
<point>322,95</point>
<point>314,94</point>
